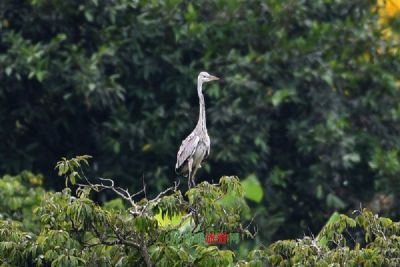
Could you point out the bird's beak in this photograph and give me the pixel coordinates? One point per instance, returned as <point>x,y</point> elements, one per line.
<point>213,78</point>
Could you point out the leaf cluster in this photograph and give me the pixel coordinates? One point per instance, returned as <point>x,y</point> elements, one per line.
<point>75,231</point>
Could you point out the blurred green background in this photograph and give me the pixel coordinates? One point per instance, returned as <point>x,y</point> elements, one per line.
<point>309,105</point>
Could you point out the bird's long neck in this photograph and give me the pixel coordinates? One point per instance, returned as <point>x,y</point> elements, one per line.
<point>202,113</point>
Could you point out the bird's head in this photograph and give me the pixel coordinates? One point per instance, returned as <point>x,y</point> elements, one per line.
<point>206,77</point>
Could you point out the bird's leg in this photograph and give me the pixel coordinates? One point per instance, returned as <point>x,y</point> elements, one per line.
<point>190,163</point>
<point>192,178</point>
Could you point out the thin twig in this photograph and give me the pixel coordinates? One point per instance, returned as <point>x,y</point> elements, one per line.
<point>161,194</point>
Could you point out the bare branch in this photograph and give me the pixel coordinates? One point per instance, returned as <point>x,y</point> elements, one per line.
<point>163,193</point>
<point>251,221</point>
<point>144,187</point>
<point>123,193</point>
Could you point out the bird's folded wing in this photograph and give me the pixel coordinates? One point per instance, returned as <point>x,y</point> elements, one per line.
<point>207,152</point>
<point>187,148</point>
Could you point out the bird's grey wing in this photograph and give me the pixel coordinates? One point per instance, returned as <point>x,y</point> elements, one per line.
<point>207,152</point>
<point>187,148</point>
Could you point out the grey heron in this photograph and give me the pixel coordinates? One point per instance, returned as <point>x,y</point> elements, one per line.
<point>196,147</point>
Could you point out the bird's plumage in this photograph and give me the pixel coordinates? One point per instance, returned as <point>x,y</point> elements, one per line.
<point>186,150</point>
<point>196,147</point>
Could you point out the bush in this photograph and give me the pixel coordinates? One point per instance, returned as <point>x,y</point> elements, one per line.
<point>73,230</point>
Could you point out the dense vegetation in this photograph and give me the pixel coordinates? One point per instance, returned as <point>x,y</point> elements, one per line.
<point>41,228</point>
<point>307,115</point>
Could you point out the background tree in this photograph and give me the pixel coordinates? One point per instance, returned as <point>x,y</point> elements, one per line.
<point>309,106</point>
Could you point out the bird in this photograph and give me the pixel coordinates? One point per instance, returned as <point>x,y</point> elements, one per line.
<point>196,146</point>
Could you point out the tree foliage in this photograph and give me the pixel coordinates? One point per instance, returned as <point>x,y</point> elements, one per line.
<point>68,229</point>
<point>309,105</point>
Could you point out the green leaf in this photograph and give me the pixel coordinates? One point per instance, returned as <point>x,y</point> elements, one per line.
<point>40,75</point>
<point>166,219</point>
<point>322,239</point>
<point>72,178</point>
<point>88,16</point>
<point>334,201</point>
<point>8,70</point>
<point>191,13</point>
<point>352,157</point>
<point>252,188</point>
<point>280,96</point>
